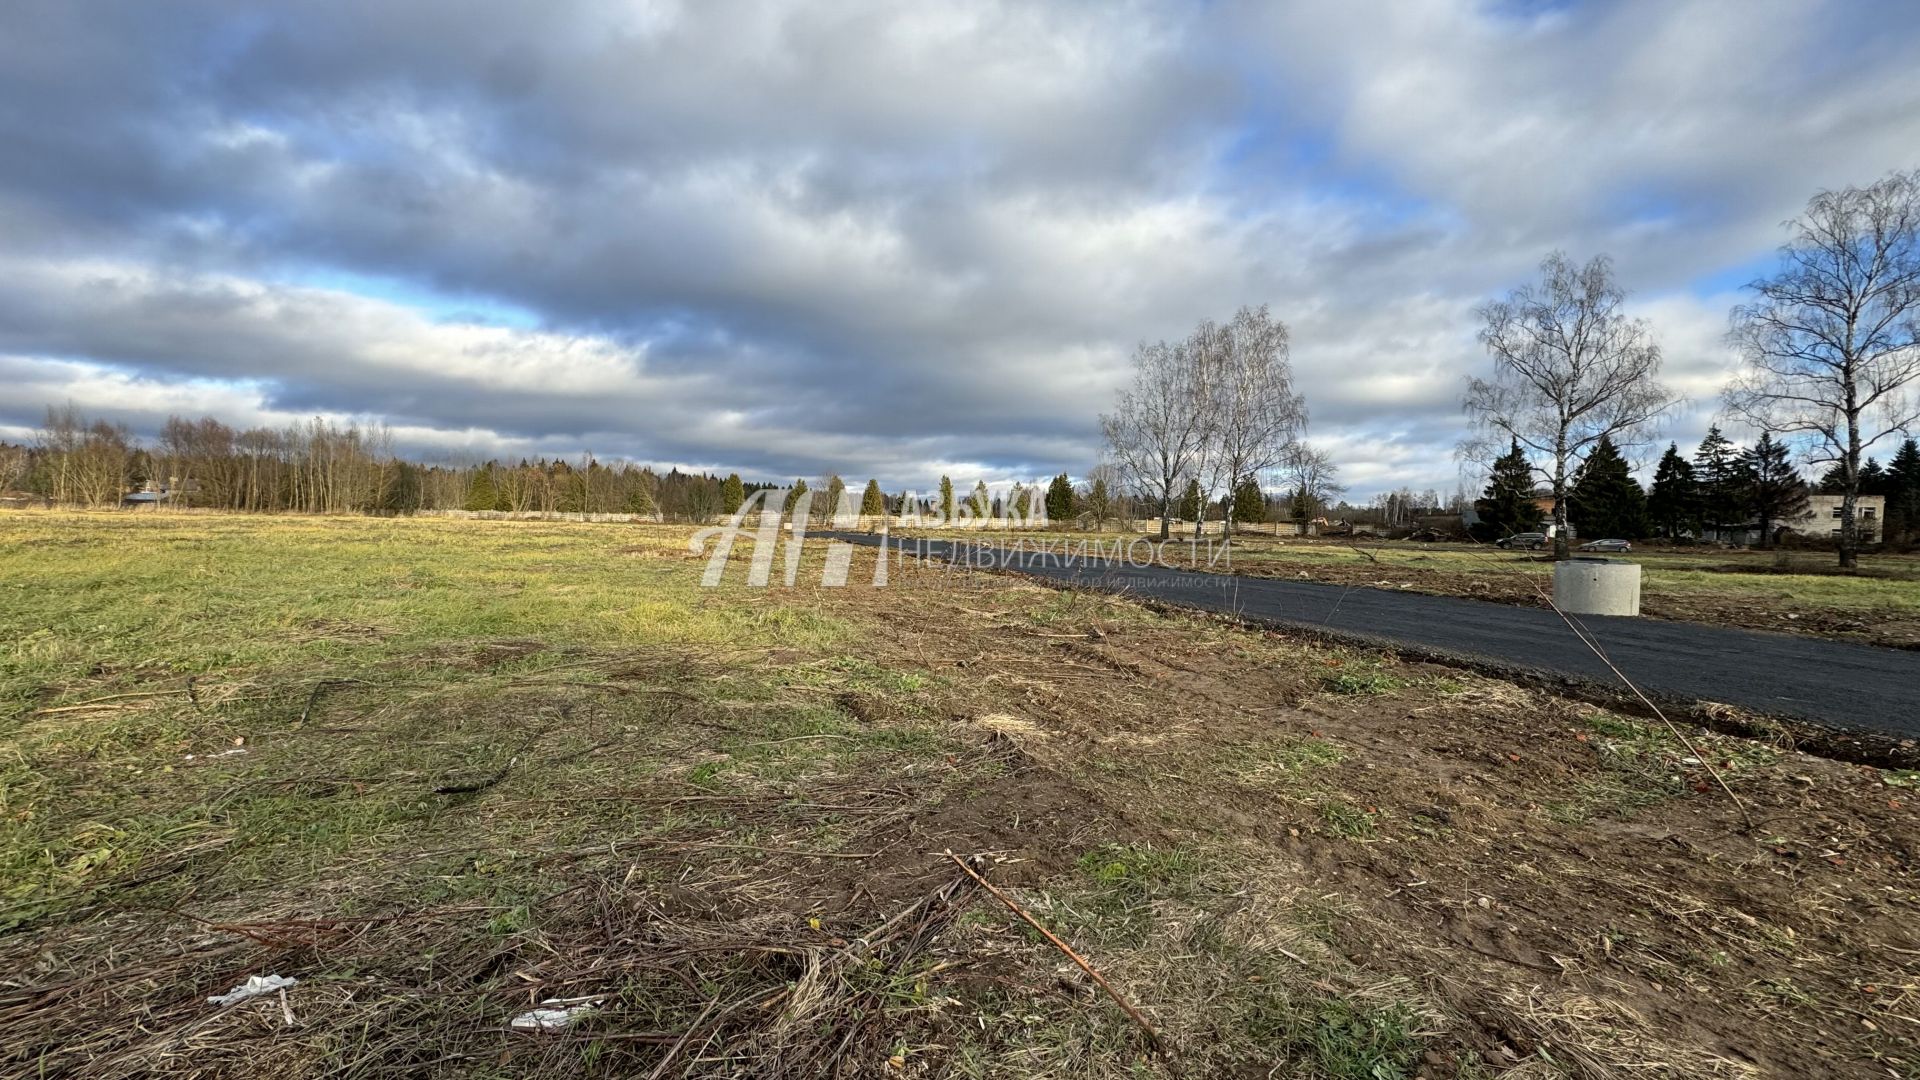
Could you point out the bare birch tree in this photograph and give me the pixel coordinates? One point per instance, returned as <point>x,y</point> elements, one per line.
<point>1833,340</point>
<point>1157,429</point>
<point>1254,416</point>
<point>1569,369</point>
<point>1312,480</point>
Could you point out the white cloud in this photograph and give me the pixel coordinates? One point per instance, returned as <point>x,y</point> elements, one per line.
<point>885,240</point>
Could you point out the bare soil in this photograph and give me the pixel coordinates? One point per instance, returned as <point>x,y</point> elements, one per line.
<point>1574,888</point>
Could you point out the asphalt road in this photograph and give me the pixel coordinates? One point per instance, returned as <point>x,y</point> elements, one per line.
<point>1827,682</point>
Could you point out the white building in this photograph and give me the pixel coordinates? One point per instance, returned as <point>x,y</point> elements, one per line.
<point>1823,517</point>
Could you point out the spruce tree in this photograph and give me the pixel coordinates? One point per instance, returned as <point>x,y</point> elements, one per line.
<point>1903,495</point>
<point>1507,507</point>
<point>1060,499</point>
<point>733,495</point>
<point>1249,502</point>
<point>946,500</point>
<point>1716,469</point>
<point>1674,502</point>
<point>872,502</point>
<point>1873,478</point>
<point>980,502</point>
<point>480,495</point>
<point>1099,501</point>
<point>1774,491</point>
<point>793,497</point>
<point>1190,502</point>
<point>1606,501</point>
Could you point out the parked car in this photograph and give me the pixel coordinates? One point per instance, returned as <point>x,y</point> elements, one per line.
<point>1523,541</point>
<point>1607,545</point>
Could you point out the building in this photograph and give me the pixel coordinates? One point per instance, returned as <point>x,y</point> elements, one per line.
<point>1821,521</point>
<point>1823,517</point>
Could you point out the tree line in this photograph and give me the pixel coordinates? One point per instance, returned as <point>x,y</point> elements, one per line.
<point>1722,489</point>
<point>321,467</point>
<point>1832,347</point>
<point>326,468</point>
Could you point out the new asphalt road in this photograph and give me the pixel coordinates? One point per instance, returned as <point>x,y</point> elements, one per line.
<point>1828,682</point>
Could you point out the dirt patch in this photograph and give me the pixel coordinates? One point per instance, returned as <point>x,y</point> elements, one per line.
<point>1573,885</point>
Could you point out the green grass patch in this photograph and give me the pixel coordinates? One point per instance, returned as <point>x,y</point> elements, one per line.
<point>1348,821</point>
<point>1362,682</point>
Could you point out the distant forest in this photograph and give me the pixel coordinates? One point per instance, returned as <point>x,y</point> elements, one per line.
<point>324,468</point>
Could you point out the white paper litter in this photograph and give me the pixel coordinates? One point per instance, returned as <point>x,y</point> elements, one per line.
<point>254,987</point>
<point>551,1018</point>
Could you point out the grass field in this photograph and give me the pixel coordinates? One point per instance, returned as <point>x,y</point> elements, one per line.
<point>443,772</point>
<point>1797,592</point>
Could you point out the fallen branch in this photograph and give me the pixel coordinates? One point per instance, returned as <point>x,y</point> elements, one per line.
<point>1152,1035</point>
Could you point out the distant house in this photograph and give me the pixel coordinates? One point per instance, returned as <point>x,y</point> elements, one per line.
<point>1820,521</point>
<point>1823,516</point>
<point>1543,501</point>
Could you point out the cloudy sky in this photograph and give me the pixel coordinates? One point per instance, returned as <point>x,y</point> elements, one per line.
<point>889,239</point>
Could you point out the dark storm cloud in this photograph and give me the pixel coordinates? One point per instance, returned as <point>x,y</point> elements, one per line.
<point>867,238</point>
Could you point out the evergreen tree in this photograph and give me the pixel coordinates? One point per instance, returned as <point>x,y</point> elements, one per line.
<point>1099,501</point>
<point>792,500</point>
<point>480,494</point>
<point>1903,495</point>
<point>402,493</point>
<point>946,499</point>
<point>1773,488</point>
<point>1190,502</point>
<point>980,502</point>
<point>1249,502</point>
<point>872,502</point>
<point>1060,499</point>
<point>1017,501</point>
<point>1300,507</point>
<point>733,495</point>
<point>1834,480</point>
<point>1507,507</point>
<point>1873,479</point>
<point>1716,469</point>
<point>1606,501</point>
<point>1674,502</point>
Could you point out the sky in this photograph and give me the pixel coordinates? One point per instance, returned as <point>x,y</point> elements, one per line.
<point>883,239</point>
